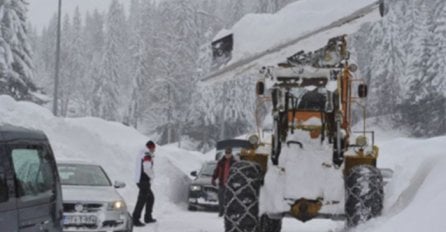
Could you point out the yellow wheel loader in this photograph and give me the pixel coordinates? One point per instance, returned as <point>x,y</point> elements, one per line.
<point>311,164</point>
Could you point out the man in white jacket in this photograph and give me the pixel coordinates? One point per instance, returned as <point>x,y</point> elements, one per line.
<point>143,176</point>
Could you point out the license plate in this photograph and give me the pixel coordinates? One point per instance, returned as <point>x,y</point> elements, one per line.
<point>80,220</point>
<point>211,196</point>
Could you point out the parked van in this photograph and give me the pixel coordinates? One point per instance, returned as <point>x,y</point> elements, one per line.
<point>30,192</point>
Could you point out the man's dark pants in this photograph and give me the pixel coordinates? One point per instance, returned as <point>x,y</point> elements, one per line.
<point>221,200</point>
<point>145,198</point>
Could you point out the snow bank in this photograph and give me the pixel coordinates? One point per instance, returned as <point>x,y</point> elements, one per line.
<point>256,33</point>
<point>416,196</point>
<point>110,144</point>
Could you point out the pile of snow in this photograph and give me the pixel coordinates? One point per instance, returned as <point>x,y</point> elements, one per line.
<point>110,144</point>
<point>415,197</point>
<point>256,33</point>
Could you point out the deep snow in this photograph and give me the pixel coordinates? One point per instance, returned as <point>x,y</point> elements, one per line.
<point>258,44</point>
<point>415,197</point>
<point>269,30</point>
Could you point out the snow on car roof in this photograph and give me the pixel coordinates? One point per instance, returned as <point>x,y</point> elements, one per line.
<point>73,161</point>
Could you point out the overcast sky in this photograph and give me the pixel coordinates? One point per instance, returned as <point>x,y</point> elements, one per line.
<point>41,11</point>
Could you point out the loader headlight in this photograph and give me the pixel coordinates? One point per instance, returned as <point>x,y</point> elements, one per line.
<point>361,141</point>
<point>116,205</point>
<point>253,139</point>
<point>195,187</point>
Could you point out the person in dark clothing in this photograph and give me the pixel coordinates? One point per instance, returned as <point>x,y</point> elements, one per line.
<point>221,173</point>
<point>144,175</point>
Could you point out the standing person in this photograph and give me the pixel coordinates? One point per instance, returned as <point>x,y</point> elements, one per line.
<point>221,173</point>
<point>144,175</point>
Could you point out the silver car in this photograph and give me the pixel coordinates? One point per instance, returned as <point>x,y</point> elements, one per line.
<point>90,201</point>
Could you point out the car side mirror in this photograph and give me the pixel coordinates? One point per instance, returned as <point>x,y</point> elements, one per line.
<point>119,184</point>
<point>193,173</point>
<point>362,90</point>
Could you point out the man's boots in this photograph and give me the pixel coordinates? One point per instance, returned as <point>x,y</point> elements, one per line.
<point>149,220</point>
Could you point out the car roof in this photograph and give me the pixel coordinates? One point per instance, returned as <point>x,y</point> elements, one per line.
<point>10,133</point>
<point>234,143</point>
<point>73,161</point>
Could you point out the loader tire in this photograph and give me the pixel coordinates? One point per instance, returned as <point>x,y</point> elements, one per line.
<point>242,197</point>
<point>364,194</point>
<point>268,224</point>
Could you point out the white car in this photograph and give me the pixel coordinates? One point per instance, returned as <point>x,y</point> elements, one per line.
<point>91,203</point>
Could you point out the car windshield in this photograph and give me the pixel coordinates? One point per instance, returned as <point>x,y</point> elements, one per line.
<point>83,174</point>
<point>207,169</point>
<point>235,151</point>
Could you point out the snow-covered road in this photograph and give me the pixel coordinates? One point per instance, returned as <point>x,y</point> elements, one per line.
<point>185,221</point>
<point>415,198</point>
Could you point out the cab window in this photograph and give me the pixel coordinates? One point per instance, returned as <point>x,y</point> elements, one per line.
<point>34,175</point>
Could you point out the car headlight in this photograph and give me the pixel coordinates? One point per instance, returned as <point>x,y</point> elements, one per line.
<point>116,205</point>
<point>195,187</point>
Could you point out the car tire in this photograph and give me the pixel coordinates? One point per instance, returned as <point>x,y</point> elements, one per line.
<point>268,224</point>
<point>130,223</point>
<point>191,208</point>
<point>364,194</point>
<point>242,197</point>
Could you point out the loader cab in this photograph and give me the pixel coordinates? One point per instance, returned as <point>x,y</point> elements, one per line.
<point>30,193</point>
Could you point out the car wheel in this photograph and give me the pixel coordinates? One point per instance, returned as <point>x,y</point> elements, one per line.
<point>268,224</point>
<point>129,222</point>
<point>191,208</point>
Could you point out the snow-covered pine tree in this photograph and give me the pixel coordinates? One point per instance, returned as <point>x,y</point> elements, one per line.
<point>402,52</point>
<point>387,68</point>
<point>107,92</point>
<point>139,28</point>
<point>73,66</point>
<point>272,6</point>
<point>78,65</point>
<point>44,56</point>
<point>423,110</point>
<point>439,34</point>
<point>66,80</point>
<point>237,11</point>
<point>94,40</point>
<point>16,66</point>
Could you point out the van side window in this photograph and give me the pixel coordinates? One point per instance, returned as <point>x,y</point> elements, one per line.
<point>3,185</point>
<point>33,173</point>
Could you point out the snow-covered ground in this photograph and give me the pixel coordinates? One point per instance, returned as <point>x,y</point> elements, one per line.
<point>415,197</point>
